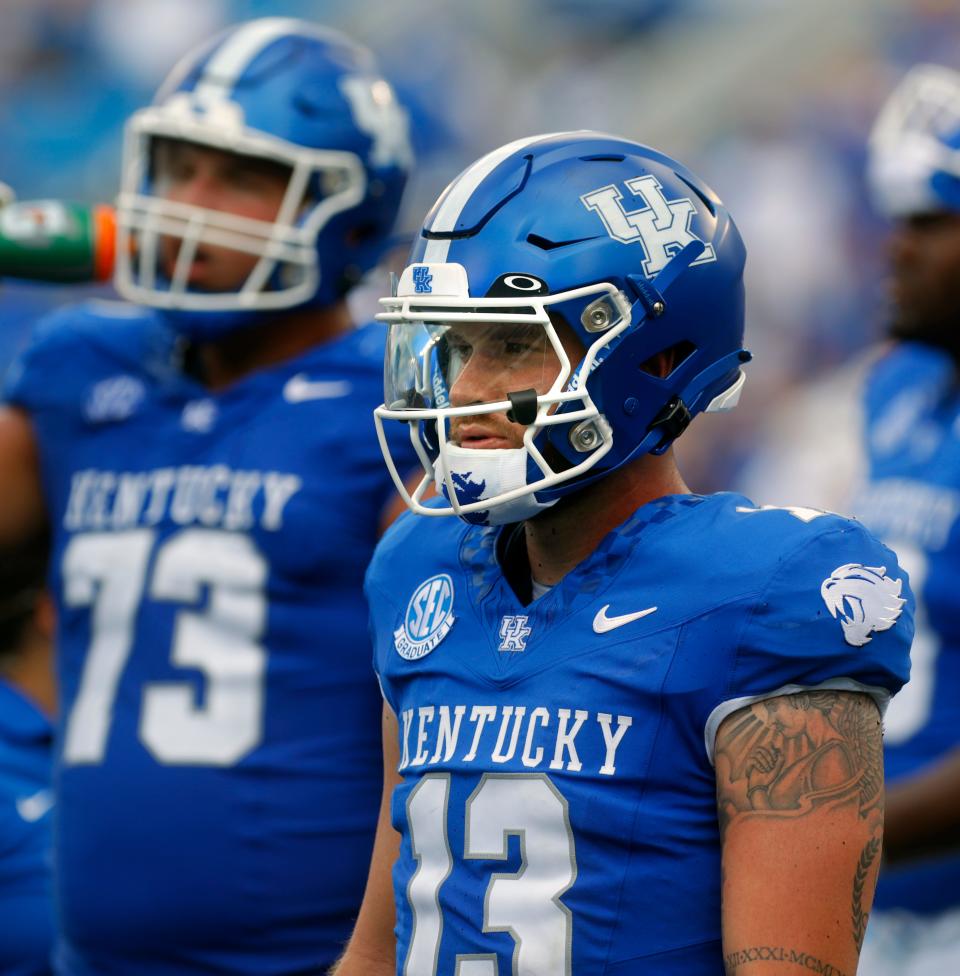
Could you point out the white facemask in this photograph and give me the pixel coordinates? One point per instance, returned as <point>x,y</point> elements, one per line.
<point>481,474</point>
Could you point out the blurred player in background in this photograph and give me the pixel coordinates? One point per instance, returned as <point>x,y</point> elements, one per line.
<point>912,500</point>
<point>596,682</point>
<point>206,461</point>
<point>27,706</point>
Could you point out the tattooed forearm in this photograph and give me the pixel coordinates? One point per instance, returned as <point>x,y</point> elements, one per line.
<point>860,915</point>
<point>790,754</point>
<point>735,961</point>
<point>800,804</point>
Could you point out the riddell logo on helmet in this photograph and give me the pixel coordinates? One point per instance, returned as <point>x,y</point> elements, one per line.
<point>662,227</point>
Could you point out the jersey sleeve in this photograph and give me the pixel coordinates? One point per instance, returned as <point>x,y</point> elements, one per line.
<point>837,614</point>
<point>73,347</point>
<point>35,379</point>
<point>26,900</point>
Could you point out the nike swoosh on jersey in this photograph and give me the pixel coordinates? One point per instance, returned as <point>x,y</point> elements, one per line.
<point>602,623</point>
<point>32,808</point>
<point>300,388</point>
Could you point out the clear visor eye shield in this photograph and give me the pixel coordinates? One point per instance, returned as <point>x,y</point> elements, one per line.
<point>464,371</point>
<point>322,183</point>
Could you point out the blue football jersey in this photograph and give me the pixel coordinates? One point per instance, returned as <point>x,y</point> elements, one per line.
<point>558,805</point>
<point>912,501</point>
<point>218,768</point>
<point>26,896</point>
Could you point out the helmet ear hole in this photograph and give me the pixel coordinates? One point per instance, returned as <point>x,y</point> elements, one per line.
<point>665,363</point>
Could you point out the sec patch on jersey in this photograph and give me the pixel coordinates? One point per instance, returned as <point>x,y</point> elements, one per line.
<point>428,618</point>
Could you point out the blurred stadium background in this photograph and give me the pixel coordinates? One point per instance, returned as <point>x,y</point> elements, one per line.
<point>769,100</point>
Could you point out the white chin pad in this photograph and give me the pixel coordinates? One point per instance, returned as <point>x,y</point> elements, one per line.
<point>478,475</point>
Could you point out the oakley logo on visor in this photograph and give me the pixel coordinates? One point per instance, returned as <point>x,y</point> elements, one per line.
<point>509,285</point>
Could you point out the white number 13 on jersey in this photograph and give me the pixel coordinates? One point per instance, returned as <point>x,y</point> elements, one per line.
<point>526,904</point>
<point>108,572</point>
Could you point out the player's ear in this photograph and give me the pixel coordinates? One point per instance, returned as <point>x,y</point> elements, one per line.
<point>663,363</point>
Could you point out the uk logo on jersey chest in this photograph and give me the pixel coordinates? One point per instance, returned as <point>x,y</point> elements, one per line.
<point>514,633</point>
<point>428,618</point>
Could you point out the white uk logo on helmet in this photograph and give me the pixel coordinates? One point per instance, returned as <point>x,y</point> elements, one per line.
<point>661,226</point>
<point>864,599</point>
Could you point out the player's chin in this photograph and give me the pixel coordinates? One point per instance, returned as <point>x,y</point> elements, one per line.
<point>212,270</point>
<point>204,277</point>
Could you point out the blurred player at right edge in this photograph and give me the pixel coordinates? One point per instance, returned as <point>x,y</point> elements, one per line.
<point>912,500</point>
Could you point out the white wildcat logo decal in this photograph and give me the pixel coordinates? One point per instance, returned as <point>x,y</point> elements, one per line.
<point>864,599</point>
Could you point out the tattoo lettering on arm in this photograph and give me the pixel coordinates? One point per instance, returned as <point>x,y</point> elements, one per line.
<point>735,961</point>
<point>795,766</point>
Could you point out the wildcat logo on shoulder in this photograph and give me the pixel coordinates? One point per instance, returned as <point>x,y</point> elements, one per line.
<point>428,618</point>
<point>864,599</point>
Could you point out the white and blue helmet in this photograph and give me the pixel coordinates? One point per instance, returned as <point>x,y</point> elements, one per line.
<point>631,250</point>
<point>914,148</point>
<point>286,91</point>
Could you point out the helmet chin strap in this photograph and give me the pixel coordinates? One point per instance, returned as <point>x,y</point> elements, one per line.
<point>476,475</point>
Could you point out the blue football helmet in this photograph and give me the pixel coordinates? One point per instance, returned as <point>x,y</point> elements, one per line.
<point>582,256</point>
<point>294,94</point>
<point>913,164</point>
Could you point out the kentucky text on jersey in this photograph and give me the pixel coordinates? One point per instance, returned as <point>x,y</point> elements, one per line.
<point>215,496</point>
<point>543,737</point>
